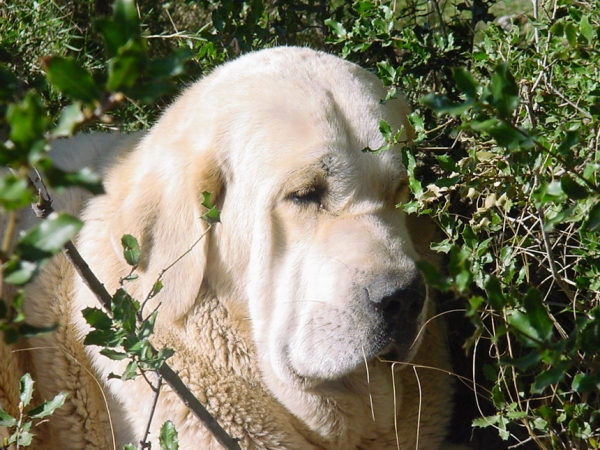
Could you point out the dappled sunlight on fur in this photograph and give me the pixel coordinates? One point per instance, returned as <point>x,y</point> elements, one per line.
<point>284,315</point>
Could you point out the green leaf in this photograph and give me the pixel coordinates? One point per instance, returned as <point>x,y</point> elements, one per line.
<point>71,79</point>
<point>28,121</point>
<point>523,363</point>
<point>125,69</point>
<point>385,129</point>
<point>170,66</point>
<point>48,408</point>
<point>124,309</point>
<point>571,34</point>
<point>156,288</point>
<point>131,371</point>
<point>113,354</point>
<point>573,189</point>
<point>442,105</point>
<point>504,92</point>
<point>131,249</point>
<point>168,437</point>
<point>593,221</point>
<point>586,29</point>
<point>533,322</point>
<point>85,178</point>
<point>465,82</point>
<point>102,338</point>
<point>97,318</point>
<point>336,27</point>
<point>48,237</point>
<point>26,390</point>
<point>122,27</point>
<point>495,296</point>
<point>19,272</point>
<point>125,14</point>
<point>499,422</point>
<point>6,420</point>
<point>25,437</point>
<point>447,163</point>
<point>548,377</point>
<point>164,354</point>
<point>70,118</point>
<point>537,314</point>
<point>15,192</point>
<point>584,383</point>
<point>211,216</point>
<point>25,330</point>
<point>571,139</point>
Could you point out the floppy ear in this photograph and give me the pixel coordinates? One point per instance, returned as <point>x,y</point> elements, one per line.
<point>161,185</point>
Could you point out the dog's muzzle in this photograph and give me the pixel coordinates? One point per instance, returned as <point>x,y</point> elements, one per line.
<point>399,302</point>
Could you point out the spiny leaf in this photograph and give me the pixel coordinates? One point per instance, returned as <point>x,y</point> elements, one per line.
<point>48,408</point>
<point>168,437</point>
<point>131,249</point>
<point>26,391</point>
<point>49,236</point>
<point>71,79</point>
<point>6,420</point>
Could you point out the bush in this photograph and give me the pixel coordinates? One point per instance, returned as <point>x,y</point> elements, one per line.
<point>506,159</point>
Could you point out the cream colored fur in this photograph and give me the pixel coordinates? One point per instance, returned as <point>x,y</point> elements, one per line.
<point>274,314</point>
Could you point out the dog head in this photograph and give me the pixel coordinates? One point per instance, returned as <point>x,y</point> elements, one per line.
<point>311,246</point>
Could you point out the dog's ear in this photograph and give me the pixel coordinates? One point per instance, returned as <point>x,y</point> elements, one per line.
<point>160,203</point>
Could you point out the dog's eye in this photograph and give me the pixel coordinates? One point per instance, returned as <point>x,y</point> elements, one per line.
<point>309,195</point>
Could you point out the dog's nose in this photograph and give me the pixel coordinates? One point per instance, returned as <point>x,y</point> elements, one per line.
<point>396,298</point>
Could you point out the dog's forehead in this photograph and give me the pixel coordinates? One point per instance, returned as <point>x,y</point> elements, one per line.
<point>296,124</point>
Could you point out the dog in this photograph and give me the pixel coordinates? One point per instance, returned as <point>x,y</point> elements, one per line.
<point>301,320</point>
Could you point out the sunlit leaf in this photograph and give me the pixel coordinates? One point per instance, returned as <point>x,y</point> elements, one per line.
<point>71,79</point>
<point>168,437</point>
<point>26,391</point>
<point>48,408</point>
<point>6,420</point>
<point>131,249</point>
<point>48,237</point>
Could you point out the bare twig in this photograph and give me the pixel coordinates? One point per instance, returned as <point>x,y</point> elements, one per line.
<point>144,444</point>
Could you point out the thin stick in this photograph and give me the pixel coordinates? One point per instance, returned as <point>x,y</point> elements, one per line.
<point>144,443</point>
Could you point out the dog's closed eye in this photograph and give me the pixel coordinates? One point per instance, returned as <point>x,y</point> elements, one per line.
<point>310,195</point>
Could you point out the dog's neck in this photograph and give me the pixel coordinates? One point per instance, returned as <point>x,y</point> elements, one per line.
<point>343,414</point>
<point>357,411</point>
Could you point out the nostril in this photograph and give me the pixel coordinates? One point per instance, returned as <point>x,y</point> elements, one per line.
<point>394,298</point>
<point>391,305</point>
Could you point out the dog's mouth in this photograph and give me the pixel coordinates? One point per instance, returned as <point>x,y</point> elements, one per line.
<point>401,348</point>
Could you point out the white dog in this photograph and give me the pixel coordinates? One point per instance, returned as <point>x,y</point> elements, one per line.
<point>286,317</point>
